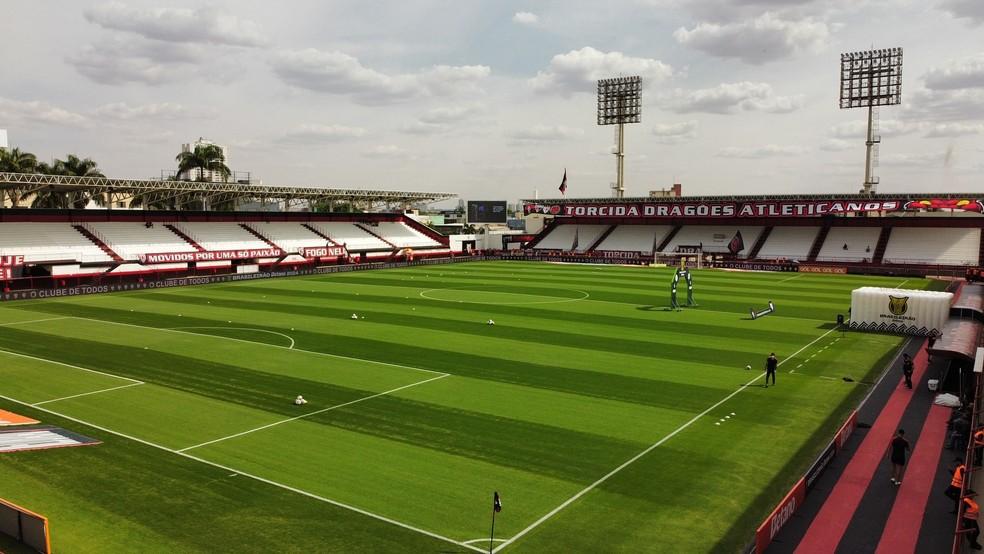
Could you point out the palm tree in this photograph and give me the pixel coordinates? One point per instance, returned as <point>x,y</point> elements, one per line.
<point>205,157</point>
<point>76,167</point>
<point>16,161</point>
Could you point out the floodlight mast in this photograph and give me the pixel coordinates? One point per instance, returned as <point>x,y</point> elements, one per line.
<point>871,78</point>
<point>620,102</point>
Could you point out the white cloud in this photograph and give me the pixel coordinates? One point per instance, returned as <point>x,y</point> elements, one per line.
<point>312,133</point>
<point>836,145</point>
<point>945,105</point>
<point>733,97</point>
<point>202,25</point>
<point>766,151</point>
<point>578,70</point>
<point>969,9</point>
<point>545,133</point>
<point>121,111</point>
<point>958,74</point>
<point>339,73</point>
<point>954,130</point>
<point>38,112</point>
<point>442,119</point>
<point>859,128</point>
<point>763,39</point>
<point>925,159</point>
<point>672,133</point>
<point>119,61</point>
<point>386,151</point>
<point>526,18</point>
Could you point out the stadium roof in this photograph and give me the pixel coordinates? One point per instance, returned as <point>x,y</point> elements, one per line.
<point>755,198</point>
<point>179,193</point>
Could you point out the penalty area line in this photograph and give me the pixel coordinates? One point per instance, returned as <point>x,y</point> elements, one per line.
<point>652,447</point>
<point>128,385</point>
<point>316,412</point>
<point>251,476</point>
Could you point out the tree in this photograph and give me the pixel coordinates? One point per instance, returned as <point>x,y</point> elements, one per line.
<point>205,157</point>
<point>16,161</point>
<point>73,166</point>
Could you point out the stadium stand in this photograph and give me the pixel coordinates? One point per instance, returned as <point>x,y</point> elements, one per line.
<point>46,242</point>
<point>354,238</point>
<point>860,241</point>
<point>641,238</point>
<point>942,246</point>
<point>130,239</point>
<point>789,242</point>
<point>288,236</point>
<point>403,236</point>
<point>562,237</point>
<point>714,238</point>
<point>221,236</point>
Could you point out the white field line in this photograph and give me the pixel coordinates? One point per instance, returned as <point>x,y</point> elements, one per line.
<point>791,278</point>
<point>36,404</point>
<point>473,541</point>
<point>704,310</point>
<point>32,321</point>
<point>902,283</point>
<point>134,381</point>
<point>291,347</point>
<point>337,356</point>
<point>655,445</point>
<point>254,477</point>
<point>316,412</point>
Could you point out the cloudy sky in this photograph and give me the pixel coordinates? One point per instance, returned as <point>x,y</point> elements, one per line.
<point>494,99</point>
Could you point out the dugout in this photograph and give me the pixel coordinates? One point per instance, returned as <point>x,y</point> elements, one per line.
<point>24,526</point>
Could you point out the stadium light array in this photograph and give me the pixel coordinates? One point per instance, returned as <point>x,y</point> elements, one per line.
<point>869,79</point>
<point>620,102</point>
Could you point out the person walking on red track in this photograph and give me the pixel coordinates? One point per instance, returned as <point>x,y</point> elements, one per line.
<point>907,367</point>
<point>899,447</point>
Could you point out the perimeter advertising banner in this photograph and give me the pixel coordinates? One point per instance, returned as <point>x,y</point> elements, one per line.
<point>901,311</point>
<point>211,256</point>
<point>723,209</point>
<point>324,252</point>
<point>7,265</point>
<point>772,524</point>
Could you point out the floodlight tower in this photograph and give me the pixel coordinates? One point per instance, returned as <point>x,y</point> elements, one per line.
<point>870,79</point>
<point>620,102</point>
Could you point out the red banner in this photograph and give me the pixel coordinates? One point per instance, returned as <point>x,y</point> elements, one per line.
<point>212,256</point>
<point>324,252</point>
<point>6,273</point>
<point>772,524</point>
<point>845,431</point>
<point>724,209</point>
<point>11,261</point>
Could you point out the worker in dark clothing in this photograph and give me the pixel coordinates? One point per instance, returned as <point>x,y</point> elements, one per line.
<point>771,363</point>
<point>899,447</point>
<point>907,367</point>
<point>969,520</point>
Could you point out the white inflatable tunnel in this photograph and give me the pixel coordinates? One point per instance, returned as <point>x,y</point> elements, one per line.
<point>901,311</point>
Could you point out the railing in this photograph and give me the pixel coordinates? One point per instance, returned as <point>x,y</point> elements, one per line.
<point>976,423</point>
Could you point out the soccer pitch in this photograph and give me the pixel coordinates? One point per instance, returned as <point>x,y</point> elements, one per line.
<point>605,422</point>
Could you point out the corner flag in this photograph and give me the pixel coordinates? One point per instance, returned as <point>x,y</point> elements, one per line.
<point>563,184</point>
<point>496,503</point>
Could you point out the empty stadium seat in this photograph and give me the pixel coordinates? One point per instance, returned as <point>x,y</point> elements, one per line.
<point>793,243</point>
<point>562,237</point>
<point>44,242</point>
<point>289,236</point>
<point>221,236</point>
<point>404,236</point>
<point>131,239</point>
<point>714,238</point>
<point>942,246</point>
<point>350,235</point>
<point>639,238</point>
<point>861,243</point>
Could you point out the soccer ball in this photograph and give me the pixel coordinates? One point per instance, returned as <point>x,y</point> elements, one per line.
<point>749,366</point>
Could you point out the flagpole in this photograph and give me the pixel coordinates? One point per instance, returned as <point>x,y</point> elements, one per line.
<point>492,533</point>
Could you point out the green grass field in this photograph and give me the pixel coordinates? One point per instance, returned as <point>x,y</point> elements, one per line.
<point>603,420</point>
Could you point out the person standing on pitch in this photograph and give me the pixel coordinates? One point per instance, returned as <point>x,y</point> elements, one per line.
<point>899,448</point>
<point>771,363</point>
<point>907,367</point>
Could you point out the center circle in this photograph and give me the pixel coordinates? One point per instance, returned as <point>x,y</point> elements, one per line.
<point>472,295</point>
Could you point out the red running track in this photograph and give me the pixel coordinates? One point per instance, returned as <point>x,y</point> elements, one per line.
<point>827,529</point>
<point>902,529</point>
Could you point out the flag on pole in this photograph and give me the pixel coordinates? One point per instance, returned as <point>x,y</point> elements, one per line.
<point>737,244</point>
<point>496,503</point>
<point>563,184</point>
<point>574,246</point>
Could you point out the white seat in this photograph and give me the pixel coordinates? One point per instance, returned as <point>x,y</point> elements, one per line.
<point>404,236</point>
<point>131,239</point>
<point>714,238</point>
<point>921,245</point>
<point>861,243</point>
<point>44,242</point>
<point>354,238</point>
<point>221,236</point>
<point>793,243</point>
<point>290,237</point>
<point>637,238</point>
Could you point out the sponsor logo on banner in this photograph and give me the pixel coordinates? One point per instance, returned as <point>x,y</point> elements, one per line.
<point>210,256</point>
<point>821,464</point>
<point>898,305</point>
<point>790,208</point>
<point>804,268</point>
<point>772,524</point>
<point>324,252</point>
<point>845,431</point>
<point>755,266</point>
